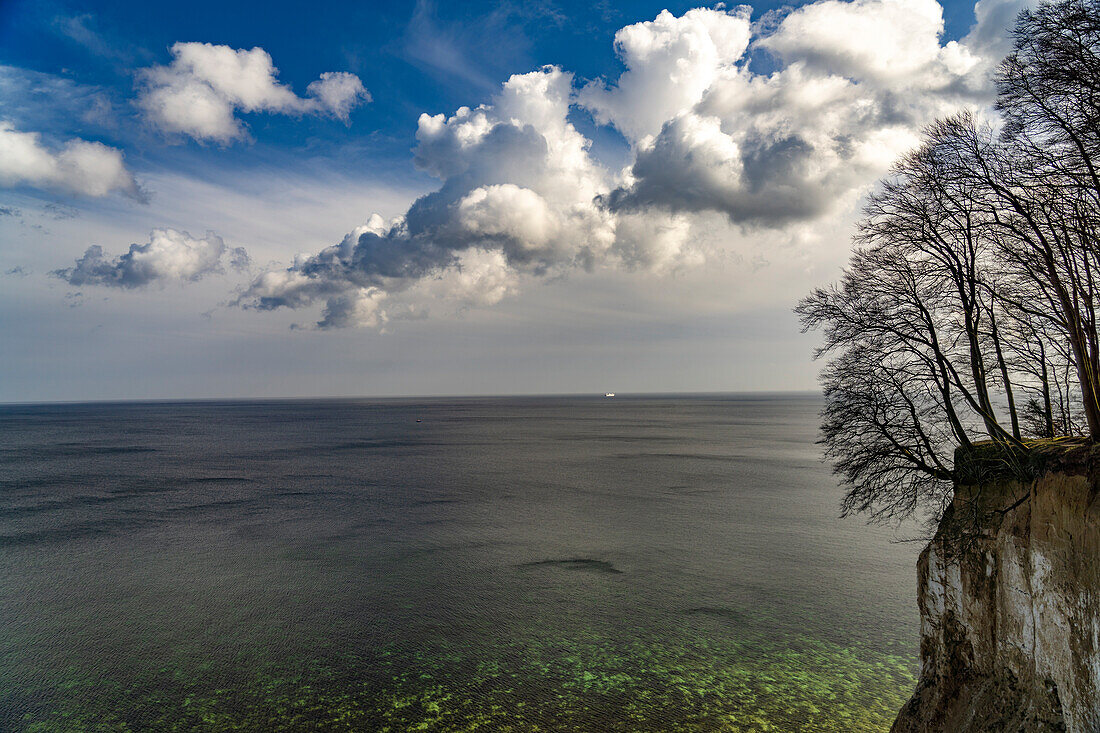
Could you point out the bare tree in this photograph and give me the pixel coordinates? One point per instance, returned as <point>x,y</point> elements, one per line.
<point>909,329</point>
<point>969,309</point>
<point>1049,184</point>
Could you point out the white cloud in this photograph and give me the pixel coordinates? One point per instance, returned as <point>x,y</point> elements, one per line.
<point>516,216</point>
<point>881,41</point>
<point>855,83</point>
<point>655,241</point>
<point>168,256</point>
<point>480,277</point>
<point>200,92</point>
<point>360,307</point>
<point>782,156</point>
<point>336,92</point>
<point>518,196</point>
<point>79,166</point>
<point>992,17</point>
<point>671,62</point>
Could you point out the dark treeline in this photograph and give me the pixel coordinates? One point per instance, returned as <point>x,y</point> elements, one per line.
<point>969,310</point>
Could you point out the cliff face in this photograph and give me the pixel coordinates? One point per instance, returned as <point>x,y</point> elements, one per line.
<point>1010,619</point>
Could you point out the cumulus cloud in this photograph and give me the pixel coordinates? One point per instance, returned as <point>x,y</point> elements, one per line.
<point>988,37</point>
<point>201,91</point>
<point>518,198</point>
<point>670,64</point>
<point>847,88</point>
<point>168,256</point>
<point>872,41</point>
<point>78,166</point>
<point>855,82</point>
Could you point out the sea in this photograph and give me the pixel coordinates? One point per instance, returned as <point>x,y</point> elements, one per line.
<point>636,563</point>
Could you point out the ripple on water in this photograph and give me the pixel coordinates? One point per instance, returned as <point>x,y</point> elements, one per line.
<point>577,563</point>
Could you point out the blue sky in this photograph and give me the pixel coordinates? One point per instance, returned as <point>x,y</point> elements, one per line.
<point>226,199</point>
<point>413,56</point>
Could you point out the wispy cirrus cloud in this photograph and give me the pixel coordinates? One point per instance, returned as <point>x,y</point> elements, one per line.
<point>479,50</point>
<point>83,30</point>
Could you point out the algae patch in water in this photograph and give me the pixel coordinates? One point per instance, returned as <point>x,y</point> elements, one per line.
<point>582,683</point>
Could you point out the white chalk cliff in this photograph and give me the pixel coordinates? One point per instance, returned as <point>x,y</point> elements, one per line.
<point>1010,613</point>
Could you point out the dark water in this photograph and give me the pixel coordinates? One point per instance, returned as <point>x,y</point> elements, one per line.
<point>491,564</point>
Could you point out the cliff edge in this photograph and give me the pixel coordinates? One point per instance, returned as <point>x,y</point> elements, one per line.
<point>1009,595</point>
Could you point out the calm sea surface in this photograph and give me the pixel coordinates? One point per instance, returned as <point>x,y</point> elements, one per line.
<point>519,564</point>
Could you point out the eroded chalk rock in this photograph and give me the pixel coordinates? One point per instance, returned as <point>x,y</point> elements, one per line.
<point>1010,607</point>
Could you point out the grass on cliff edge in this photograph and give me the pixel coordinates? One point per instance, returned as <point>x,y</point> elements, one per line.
<point>988,461</point>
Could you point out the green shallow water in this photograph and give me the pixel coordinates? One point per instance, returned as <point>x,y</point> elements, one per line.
<point>659,564</point>
<point>575,684</point>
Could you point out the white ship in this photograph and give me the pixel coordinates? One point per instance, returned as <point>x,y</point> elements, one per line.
<point>609,394</point>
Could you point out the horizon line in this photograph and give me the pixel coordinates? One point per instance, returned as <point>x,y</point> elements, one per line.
<point>470,396</point>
